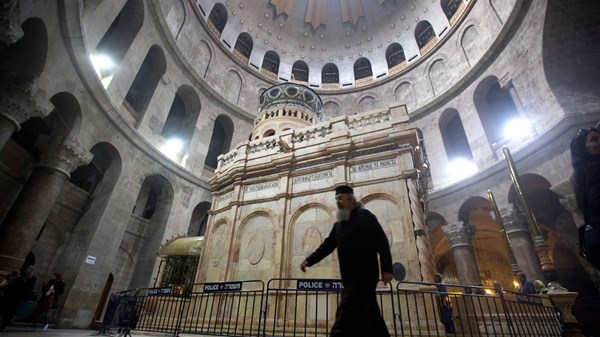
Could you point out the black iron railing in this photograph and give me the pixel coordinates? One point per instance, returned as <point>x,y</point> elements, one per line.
<point>306,307</point>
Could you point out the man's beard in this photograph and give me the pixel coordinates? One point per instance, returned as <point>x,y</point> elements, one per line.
<point>342,214</point>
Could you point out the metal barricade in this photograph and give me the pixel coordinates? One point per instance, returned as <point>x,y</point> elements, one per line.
<point>158,309</point>
<point>306,307</point>
<point>121,312</point>
<point>426,309</point>
<point>532,315</point>
<point>223,309</point>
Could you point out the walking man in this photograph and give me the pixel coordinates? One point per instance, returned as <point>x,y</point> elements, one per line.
<point>359,239</point>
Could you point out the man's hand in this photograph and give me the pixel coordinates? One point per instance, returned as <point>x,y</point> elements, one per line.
<point>386,277</point>
<point>303,266</point>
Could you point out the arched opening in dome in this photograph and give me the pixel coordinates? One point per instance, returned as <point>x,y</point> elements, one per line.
<point>270,63</point>
<point>90,176</point>
<point>120,35</point>
<point>362,68</point>
<point>27,56</point>
<point>220,141</point>
<point>424,34</point>
<point>243,47</point>
<point>450,7</point>
<point>217,19</point>
<point>496,109</point>
<point>183,115</point>
<point>394,55</point>
<point>300,71</point>
<point>330,74</point>
<point>145,231</point>
<point>63,121</point>
<point>146,80</point>
<point>454,137</point>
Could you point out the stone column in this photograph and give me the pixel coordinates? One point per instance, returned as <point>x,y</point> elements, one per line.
<point>520,242</point>
<point>20,100</point>
<point>31,208</point>
<point>10,29</point>
<point>460,235</point>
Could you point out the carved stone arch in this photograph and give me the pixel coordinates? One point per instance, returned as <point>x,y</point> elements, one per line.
<point>384,204</point>
<point>253,257</point>
<point>217,244</point>
<point>309,225</point>
<point>366,102</point>
<point>332,108</point>
<point>468,39</point>
<point>205,53</point>
<point>235,84</point>
<point>439,76</point>
<point>404,93</point>
<point>463,26</point>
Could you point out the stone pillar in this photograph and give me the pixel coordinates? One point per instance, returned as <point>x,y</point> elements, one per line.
<point>20,100</point>
<point>31,208</point>
<point>460,235</point>
<point>10,29</point>
<point>520,242</point>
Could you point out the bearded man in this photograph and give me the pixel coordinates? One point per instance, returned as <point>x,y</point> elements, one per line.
<point>359,239</point>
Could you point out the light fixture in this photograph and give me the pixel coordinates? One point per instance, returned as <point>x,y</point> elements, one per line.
<point>518,128</point>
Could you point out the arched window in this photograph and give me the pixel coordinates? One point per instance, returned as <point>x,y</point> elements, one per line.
<point>330,74</point>
<point>183,115</point>
<point>146,80</point>
<point>450,7</point>
<point>121,33</point>
<point>394,55</point>
<point>300,71</point>
<point>217,19</point>
<point>424,33</point>
<point>199,219</point>
<point>220,140</point>
<point>271,62</point>
<point>243,47</point>
<point>362,69</point>
<point>454,137</point>
<point>495,108</point>
<point>27,56</point>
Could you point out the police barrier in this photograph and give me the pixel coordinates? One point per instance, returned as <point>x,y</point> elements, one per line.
<point>223,308</point>
<point>455,310</point>
<point>306,307</point>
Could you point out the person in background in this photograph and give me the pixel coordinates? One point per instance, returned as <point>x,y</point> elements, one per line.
<point>22,289</point>
<point>50,292</point>
<point>585,157</point>
<point>540,287</point>
<point>527,286</point>
<point>444,303</point>
<point>497,287</point>
<point>359,239</point>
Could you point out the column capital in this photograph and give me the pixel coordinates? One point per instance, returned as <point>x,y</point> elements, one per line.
<point>64,156</point>
<point>513,219</point>
<point>459,234</point>
<point>21,99</point>
<point>10,29</point>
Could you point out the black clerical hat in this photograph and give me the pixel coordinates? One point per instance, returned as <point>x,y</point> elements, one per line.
<point>344,190</point>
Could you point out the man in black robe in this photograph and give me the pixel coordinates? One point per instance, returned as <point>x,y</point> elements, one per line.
<point>359,238</point>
